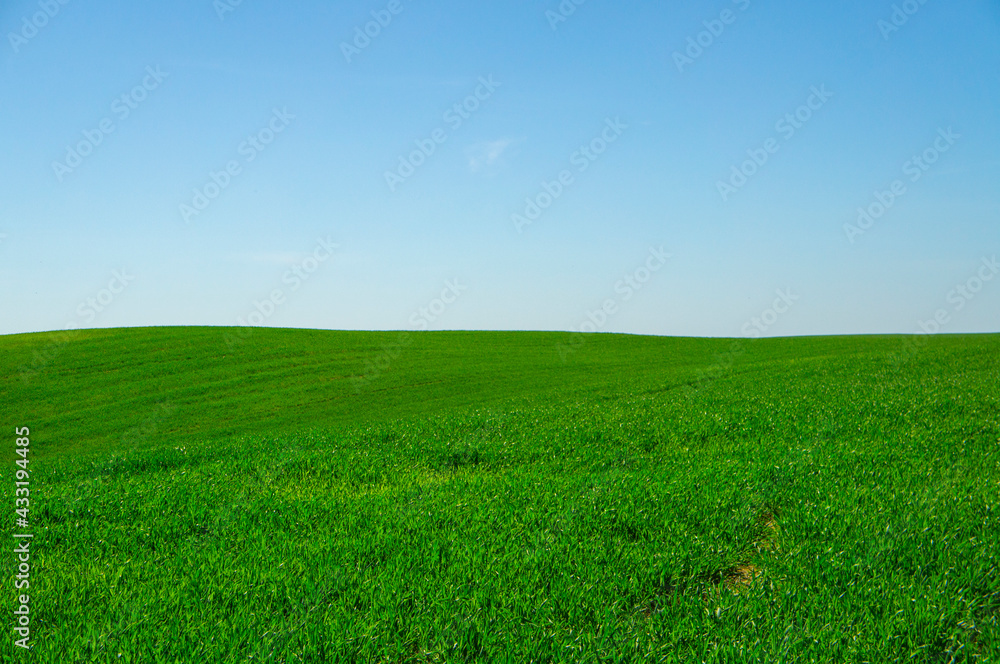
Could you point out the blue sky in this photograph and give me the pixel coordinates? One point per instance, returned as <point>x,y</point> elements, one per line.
<point>116,117</point>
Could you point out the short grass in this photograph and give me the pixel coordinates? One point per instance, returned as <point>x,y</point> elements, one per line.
<point>506,497</point>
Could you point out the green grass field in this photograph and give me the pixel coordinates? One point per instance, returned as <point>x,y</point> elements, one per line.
<point>312,496</point>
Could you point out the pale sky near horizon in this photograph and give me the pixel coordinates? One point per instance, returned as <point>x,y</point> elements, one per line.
<point>643,167</point>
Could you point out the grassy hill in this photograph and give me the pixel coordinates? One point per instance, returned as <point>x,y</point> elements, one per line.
<point>166,385</point>
<point>301,496</point>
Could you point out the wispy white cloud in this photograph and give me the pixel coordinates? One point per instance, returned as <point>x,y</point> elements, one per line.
<point>487,153</point>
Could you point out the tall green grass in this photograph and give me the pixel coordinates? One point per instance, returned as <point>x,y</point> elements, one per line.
<point>488,499</point>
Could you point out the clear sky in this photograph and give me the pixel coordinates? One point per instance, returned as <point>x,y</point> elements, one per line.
<point>644,167</point>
